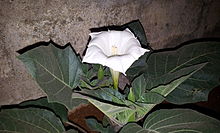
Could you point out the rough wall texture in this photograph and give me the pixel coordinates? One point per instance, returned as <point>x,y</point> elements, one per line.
<point>24,22</point>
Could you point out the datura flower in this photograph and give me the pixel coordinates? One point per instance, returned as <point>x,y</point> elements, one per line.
<point>114,49</point>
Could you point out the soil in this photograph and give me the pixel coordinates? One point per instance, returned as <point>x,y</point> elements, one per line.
<point>78,116</point>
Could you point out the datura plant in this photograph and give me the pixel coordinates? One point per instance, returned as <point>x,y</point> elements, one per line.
<point>185,74</point>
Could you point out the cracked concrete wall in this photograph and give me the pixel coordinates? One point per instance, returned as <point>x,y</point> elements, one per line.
<point>25,22</point>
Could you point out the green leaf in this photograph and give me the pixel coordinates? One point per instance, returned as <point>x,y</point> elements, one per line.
<point>57,71</point>
<point>160,68</point>
<point>59,109</point>
<point>96,126</point>
<point>165,90</point>
<point>180,120</point>
<point>133,128</point>
<point>138,30</point>
<point>106,94</point>
<point>131,95</point>
<point>29,120</point>
<point>151,98</point>
<point>156,75</point>
<point>139,85</point>
<point>119,112</point>
<point>175,121</point>
<point>198,86</point>
<point>158,94</point>
<point>138,67</point>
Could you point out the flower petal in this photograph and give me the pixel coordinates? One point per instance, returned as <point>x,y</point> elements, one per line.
<point>94,55</point>
<point>135,49</point>
<point>106,39</point>
<point>120,63</point>
<point>101,40</point>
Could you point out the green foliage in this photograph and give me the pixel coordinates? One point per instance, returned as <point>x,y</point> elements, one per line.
<point>168,88</point>
<point>198,86</point>
<point>139,86</point>
<point>57,71</point>
<point>160,68</point>
<point>131,95</point>
<point>96,126</point>
<point>122,111</point>
<point>175,120</point>
<point>182,75</point>
<point>59,109</point>
<point>29,120</point>
<point>95,76</point>
<point>105,94</point>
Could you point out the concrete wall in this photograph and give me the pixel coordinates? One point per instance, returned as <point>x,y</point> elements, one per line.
<point>24,22</point>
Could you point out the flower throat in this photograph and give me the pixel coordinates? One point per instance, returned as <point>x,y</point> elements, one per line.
<point>114,50</point>
<point>115,74</point>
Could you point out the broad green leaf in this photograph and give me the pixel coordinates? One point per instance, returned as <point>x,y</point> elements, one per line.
<point>175,121</point>
<point>139,85</point>
<point>138,67</point>
<point>151,98</point>
<point>158,77</point>
<point>119,113</point>
<point>109,108</point>
<point>181,120</point>
<point>57,71</point>
<point>29,120</point>
<point>133,128</point>
<point>96,126</point>
<point>138,30</point>
<point>106,94</point>
<point>160,68</point>
<point>158,94</point>
<point>165,90</point>
<point>142,95</point>
<point>59,109</point>
<point>198,86</point>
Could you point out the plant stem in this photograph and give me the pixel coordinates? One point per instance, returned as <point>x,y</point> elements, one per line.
<point>131,97</point>
<point>100,73</point>
<point>115,77</point>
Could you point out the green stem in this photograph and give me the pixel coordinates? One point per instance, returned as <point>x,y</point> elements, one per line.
<point>115,77</point>
<point>100,73</point>
<point>131,97</point>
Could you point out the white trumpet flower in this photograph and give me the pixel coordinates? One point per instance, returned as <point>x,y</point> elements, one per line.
<point>114,49</point>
